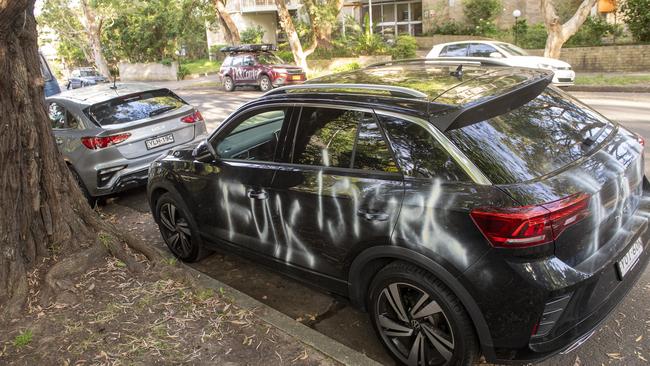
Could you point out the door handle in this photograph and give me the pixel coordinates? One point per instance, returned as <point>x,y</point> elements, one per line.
<point>373,216</point>
<point>258,195</point>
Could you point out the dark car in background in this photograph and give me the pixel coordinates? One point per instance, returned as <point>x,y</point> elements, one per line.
<point>256,65</point>
<point>470,209</point>
<point>108,135</point>
<point>85,76</point>
<point>51,86</point>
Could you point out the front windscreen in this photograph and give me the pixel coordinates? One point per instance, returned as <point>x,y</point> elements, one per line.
<point>512,49</point>
<point>134,107</point>
<point>542,136</point>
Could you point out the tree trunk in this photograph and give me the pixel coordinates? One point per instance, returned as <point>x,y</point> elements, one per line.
<point>299,55</point>
<point>559,33</point>
<point>94,33</point>
<point>231,31</point>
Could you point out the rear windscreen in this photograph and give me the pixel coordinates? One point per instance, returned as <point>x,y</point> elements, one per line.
<point>538,138</point>
<point>134,107</point>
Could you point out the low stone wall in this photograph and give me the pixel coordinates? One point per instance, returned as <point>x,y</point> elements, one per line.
<point>631,58</point>
<point>340,61</point>
<point>148,71</point>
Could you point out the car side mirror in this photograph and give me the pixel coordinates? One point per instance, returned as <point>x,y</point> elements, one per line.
<point>496,55</point>
<point>205,149</point>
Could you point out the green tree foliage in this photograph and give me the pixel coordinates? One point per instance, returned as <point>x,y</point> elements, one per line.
<point>62,18</point>
<point>481,14</point>
<point>404,47</point>
<point>592,32</point>
<point>252,35</point>
<point>637,18</point>
<point>149,31</point>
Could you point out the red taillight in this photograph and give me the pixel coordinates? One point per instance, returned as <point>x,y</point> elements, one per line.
<point>95,143</point>
<point>192,118</point>
<point>640,139</point>
<point>528,226</point>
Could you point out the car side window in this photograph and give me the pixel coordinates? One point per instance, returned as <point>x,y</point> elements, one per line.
<point>325,137</point>
<point>249,60</point>
<point>227,61</point>
<point>254,137</point>
<point>419,154</point>
<point>73,121</point>
<point>237,61</point>
<point>454,50</point>
<point>481,50</point>
<point>371,152</point>
<point>58,115</point>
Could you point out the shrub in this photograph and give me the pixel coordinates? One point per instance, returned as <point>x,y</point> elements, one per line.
<point>533,36</point>
<point>182,72</point>
<point>404,47</point>
<point>591,33</point>
<point>347,67</point>
<point>451,27</point>
<point>286,56</point>
<point>252,35</point>
<point>368,43</point>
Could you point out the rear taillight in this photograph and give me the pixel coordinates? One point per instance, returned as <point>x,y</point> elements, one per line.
<point>192,118</point>
<point>95,143</point>
<point>640,139</point>
<point>521,227</point>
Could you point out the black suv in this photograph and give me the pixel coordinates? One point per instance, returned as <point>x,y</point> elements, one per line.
<point>469,208</point>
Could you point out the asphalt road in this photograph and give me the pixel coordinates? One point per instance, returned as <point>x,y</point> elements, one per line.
<point>623,340</point>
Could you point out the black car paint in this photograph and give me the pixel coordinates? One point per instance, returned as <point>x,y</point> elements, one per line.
<point>429,225</point>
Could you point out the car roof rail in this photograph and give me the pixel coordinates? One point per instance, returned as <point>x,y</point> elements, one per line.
<point>395,91</point>
<point>473,61</point>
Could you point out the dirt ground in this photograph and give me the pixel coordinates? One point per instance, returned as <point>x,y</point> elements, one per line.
<point>116,317</point>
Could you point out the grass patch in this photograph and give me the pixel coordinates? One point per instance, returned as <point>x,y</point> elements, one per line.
<point>202,66</point>
<point>23,339</point>
<point>171,261</point>
<point>616,80</point>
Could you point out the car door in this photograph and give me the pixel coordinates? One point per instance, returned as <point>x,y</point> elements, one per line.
<point>66,128</point>
<point>339,190</point>
<point>248,69</point>
<point>237,69</point>
<point>234,204</point>
<point>454,50</point>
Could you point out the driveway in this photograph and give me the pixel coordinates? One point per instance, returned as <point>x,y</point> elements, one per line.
<point>623,340</point>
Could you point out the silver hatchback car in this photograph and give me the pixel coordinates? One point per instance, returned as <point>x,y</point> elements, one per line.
<point>109,135</point>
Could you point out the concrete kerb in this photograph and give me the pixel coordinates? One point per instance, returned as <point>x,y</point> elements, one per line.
<point>324,344</point>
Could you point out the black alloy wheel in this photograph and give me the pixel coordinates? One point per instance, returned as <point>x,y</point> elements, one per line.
<point>177,230</point>
<point>419,320</point>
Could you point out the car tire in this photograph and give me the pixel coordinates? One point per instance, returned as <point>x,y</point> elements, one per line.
<point>92,200</point>
<point>419,320</point>
<point>178,229</point>
<point>265,84</point>
<point>228,84</point>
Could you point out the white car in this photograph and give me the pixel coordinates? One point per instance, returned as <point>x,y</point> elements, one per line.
<point>508,54</point>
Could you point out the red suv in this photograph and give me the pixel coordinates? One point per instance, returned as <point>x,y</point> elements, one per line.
<point>257,65</point>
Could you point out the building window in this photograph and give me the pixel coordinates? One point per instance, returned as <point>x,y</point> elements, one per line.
<point>396,18</point>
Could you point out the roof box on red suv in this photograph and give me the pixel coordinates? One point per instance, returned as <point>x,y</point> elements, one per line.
<point>249,48</point>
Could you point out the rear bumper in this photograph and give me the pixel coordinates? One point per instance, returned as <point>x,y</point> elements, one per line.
<point>592,292</point>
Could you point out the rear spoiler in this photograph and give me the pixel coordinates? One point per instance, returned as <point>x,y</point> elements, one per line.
<point>496,105</point>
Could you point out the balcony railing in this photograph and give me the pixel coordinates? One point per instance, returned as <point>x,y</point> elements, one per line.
<point>248,6</point>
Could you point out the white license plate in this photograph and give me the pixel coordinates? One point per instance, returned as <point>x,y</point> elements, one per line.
<point>630,259</point>
<point>159,141</point>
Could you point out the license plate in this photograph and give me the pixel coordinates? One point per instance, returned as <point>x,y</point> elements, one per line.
<point>159,141</point>
<point>630,259</point>
<point>296,77</point>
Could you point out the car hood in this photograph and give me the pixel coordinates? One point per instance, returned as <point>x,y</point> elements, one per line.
<point>535,61</point>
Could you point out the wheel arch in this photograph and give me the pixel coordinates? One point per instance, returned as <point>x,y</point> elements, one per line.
<point>369,262</point>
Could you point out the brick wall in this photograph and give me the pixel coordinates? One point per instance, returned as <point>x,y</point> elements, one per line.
<point>633,58</point>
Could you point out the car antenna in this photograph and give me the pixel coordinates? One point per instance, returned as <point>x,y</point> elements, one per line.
<point>458,73</point>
